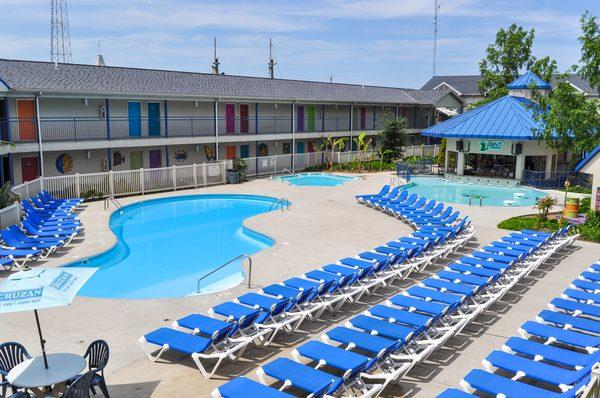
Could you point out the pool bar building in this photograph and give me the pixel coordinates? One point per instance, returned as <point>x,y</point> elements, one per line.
<point>73,118</point>
<point>496,142</point>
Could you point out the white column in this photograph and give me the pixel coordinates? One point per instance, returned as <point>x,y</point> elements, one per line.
<point>460,163</point>
<point>548,166</point>
<point>446,160</point>
<point>519,167</point>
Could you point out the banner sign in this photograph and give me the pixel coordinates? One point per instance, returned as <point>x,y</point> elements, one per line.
<point>488,146</point>
<point>598,199</point>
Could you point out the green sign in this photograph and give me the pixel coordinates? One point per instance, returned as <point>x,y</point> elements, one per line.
<point>487,146</point>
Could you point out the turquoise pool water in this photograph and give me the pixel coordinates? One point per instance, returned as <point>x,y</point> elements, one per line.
<point>165,245</point>
<point>454,192</point>
<point>316,179</point>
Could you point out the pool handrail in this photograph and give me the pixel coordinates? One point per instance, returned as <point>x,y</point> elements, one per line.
<point>243,255</point>
<point>280,202</point>
<point>282,172</point>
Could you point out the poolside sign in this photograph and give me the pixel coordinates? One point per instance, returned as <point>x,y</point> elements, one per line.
<point>491,146</point>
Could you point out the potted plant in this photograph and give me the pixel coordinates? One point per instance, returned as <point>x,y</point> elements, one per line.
<point>237,173</point>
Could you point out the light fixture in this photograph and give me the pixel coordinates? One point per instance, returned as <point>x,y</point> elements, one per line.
<point>85,102</point>
<point>195,104</point>
<point>88,154</point>
<point>197,148</point>
<point>275,105</point>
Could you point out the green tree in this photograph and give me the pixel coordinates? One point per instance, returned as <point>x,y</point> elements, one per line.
<point>441,158</point>
<point>506,58</point>
<point>362,144</point>
<point>393,138</point>
<point>333,144</point>
<point>590,50</point>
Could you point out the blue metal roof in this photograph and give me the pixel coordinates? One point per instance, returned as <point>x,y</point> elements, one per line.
<point>588,158</point>
<point>507,118</point>
<point>529,79</point>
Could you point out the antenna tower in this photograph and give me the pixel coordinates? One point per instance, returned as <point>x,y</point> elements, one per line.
<point>272,62</point>
<point>60,38</point>
<point>435,32</point>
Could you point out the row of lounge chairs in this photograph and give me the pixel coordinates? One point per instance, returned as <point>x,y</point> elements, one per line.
<point>380,346</point>
<point>553,355</point>
<point>257,317</point>
<point>47,225</point>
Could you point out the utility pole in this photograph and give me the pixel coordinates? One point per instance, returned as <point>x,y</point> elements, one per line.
<point>435,32</point>
<point>272,62</point>
<point>216,63</point>
<point>60,38</point>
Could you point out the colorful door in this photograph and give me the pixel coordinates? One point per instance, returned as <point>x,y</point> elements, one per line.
<point>300,124</point>
<point>26,115</point>
<point>244,151</point>
<point>311,147</point>
<point>229,118</point>
<point>155,158</point>
<point>29,168</point>
<point>134,115</point>
<point>363,117</point>
<point>311,118</point>
<point>153,119</point>
<point>244,118</point>
<point>230,151</point>
<point>136,160</point>
<point>300,147</point>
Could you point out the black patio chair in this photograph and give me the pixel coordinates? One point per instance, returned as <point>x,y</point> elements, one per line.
<point>80,388</point>
<point>20,394</point>
<point>11,354</point>
<point>97,355</point>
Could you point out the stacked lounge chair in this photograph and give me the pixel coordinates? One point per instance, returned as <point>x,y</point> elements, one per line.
<point>552,356</point>
<point>47,225</point>
<point>381,345</point>
<point>258,317</point>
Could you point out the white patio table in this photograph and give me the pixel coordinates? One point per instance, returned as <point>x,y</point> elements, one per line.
<point>32,375</point>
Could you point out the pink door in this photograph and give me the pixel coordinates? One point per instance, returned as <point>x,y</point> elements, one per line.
<point>155,158</point>
<point>229,118</point>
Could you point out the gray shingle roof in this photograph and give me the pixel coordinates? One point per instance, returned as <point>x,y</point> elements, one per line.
<point>427,96</point>
<point>32,76</point>
<point>467,84</point>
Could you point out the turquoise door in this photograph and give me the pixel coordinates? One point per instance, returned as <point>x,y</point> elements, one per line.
<point>153,119</point>
<point>300,147</point>
<point>134,115</point>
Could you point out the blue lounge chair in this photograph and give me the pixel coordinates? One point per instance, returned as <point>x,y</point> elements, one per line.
<point>383,192</point>
<point>242,387</point>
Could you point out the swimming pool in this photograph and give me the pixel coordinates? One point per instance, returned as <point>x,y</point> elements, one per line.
<point>164,246</point>
<point>454,192</point>
<point>316,179</point>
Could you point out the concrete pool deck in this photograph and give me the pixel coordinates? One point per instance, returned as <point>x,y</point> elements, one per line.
<point>323,225</point>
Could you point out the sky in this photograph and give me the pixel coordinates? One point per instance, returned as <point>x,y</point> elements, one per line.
<point>378,42</point>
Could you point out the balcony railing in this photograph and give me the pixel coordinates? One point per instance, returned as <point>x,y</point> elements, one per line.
<point>94,128</point>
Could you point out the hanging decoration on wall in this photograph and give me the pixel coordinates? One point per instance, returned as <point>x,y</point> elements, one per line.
<point>64,163</point>
<point>104,165</point>
<point>209,151</point>
<point>181,155</point>
<point>286,148</point>
<point>118,158</point>
<point>263,149</point>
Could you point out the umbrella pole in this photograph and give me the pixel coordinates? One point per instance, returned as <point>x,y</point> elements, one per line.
<point>42,341</point>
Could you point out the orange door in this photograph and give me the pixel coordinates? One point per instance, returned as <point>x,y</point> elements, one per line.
<point>29,168</point>
<point>230,151</point>
<point>26,115</point>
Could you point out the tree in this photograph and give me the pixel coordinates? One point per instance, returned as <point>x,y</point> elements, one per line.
<point>393,138</point>
<point>506,58</point>
<point>331,143</point>
<point>362,144</point>
<point>590,50</point>
<point>570,121</point>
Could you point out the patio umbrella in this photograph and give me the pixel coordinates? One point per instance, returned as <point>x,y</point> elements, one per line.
<point>42,288</point>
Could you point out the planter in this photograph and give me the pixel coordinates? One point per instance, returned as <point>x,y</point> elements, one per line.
<point>234,176</point>
<point>571,208</point>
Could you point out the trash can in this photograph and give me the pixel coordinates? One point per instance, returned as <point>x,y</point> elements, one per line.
<point>571,208</point>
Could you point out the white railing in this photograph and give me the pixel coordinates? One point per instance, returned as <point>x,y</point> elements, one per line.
<point>142,181</point>
<point>421,150</point>
<point>10,215</point>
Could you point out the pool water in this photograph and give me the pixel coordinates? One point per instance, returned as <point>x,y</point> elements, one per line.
<point>316,179</point>
<point>165,245</point>
<point>454,192</point>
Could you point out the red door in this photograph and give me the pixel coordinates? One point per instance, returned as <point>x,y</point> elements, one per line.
<point>229,118</point>
<point>243,118</point>
<point>26,115</point>
<point>29,168</point>
<point>363,117</point>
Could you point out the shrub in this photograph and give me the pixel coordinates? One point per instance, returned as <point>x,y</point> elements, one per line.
<point>528,222</point>
<point>585,205</point>
<point>578,189</point>
<point>590,230</point>
<point>543,205</point>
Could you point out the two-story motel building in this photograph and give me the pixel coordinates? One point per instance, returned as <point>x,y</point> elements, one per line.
<point>72,118</point>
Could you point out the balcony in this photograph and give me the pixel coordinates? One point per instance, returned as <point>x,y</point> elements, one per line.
<point>56,129</point>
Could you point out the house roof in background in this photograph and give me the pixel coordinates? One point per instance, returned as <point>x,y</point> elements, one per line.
<point>467,84</point>
<point>36,76</point>
<point>508,118</point>
<point>589,157</point>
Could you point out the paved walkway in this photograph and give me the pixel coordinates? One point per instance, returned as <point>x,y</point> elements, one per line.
<point>323,225</point>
